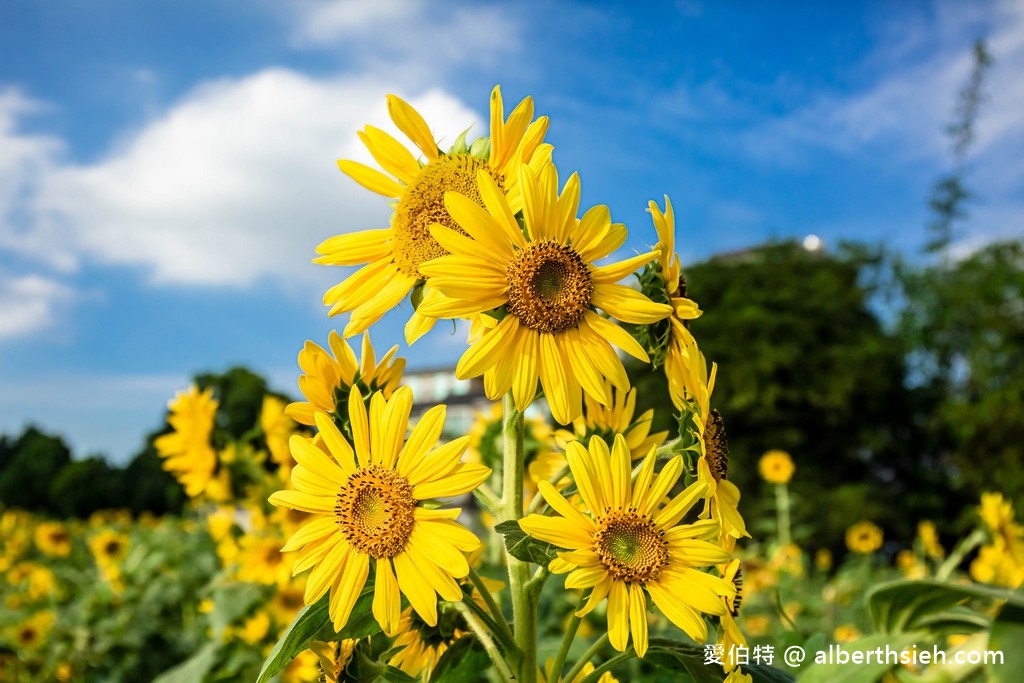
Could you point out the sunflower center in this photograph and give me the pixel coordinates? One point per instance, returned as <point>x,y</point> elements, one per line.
<point>112,548</point>
<point>375,511</point>
<point>717,446</point>
<point>422,205</point>
<point>630,547</point>
<point>549,286</point>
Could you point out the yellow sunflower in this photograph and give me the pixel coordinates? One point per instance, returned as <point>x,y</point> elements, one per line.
<point>53,539</point>
<point>729,634</point>
<point>864,538</point>
<point>365,506</point>
<point>422,644</point>
<point>665,281</point>
<point>333,658</point>
<point>614,417</point>
<point>328,377</point>
<point>776,467</point>
<point>628,545</point>
<point>260,560</point>
<point>713,465</point>
<point>546,286</point>
<point>393,255</point>
<point>30,633</point>
<point>109,548</point>
<point>189,455</point>
<point>277,429</point>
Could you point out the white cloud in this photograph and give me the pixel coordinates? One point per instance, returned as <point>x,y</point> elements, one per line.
<point>29,303</point>
<point>904,113</point>
<point>409,32</point>
<point>235,182</point>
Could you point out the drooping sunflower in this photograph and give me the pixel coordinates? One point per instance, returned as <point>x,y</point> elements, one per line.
<point>627,545</point>
<point>545,285</point>
<point>187,450</point>
<point>611,418</point>
<point>422,644</point>
<point>328,377</point>
<point>669,340</point>
<point>364,500</point>
<point>393,255</point>
<point>713,466</point>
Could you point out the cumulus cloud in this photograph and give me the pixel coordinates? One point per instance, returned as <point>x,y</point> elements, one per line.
<point>234,183</point>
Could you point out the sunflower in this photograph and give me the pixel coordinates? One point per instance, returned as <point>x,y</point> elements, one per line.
<point>713,465</point>
<point>776,467</point>
<point>189,455</point>
<point>333,658</point>
<point>864,538</point>
<point>670,340</point>
<point>277,429</point>
<point>393,255</point>
<point>53,539</point>
<point>615,417</point>
<point>109,548</point>
<point>628,545</point>
<point>260,560</point>
<point>329,377</point>
<point>364,507</point>
<point>729,634</point>
<point>422,644</point>
<point>30,634</point>
<point>930,540</point>
<point>545,285</point>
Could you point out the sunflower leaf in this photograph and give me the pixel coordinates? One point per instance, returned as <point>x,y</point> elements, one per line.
<point>523,547</point>
<point>313,622</point>
<point>908,605</point>
<point>461,663</point>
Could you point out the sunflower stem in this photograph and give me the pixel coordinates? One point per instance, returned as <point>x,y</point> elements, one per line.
<point>504,636</point>
<point>486,496</point>
<point>587,656</point>
<point>524,609</point>
<point>595,675</point>
<point>485,639</point>
<point>972,541</point>
<point>536,584</point>
<point>492,606</point>
<point>782,513</point>
<point>563,651</point>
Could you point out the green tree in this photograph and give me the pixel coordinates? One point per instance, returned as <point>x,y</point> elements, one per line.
<point>29,466</point>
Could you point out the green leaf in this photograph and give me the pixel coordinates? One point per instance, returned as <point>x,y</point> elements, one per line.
<point>1007,636</point>
<point>900,606</point>
<point>314,623</point>
<point>461,663</point>
<point>304,628</point>
<point>192,669</point>
<point>524,547</point>
<point>459,147</point>
<point>848,671</point>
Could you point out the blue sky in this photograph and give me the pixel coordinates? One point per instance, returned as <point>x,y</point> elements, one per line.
<point>166,169</point>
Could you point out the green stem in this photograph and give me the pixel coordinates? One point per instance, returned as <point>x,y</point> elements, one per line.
<point>536,584</point>
<point>492,606</point>
<point>595,675</point>
<point>563,651</point>
<point>485,639</point>
<point>488,498</point>
<point>587,656</point>
<point>972,541</point>
<point>524,609</point>
<point>782,513</point>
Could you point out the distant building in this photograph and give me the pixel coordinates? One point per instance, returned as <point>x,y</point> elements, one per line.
<point>464,397</point>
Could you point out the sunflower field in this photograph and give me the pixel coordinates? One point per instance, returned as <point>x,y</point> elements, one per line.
<point>571,534</point>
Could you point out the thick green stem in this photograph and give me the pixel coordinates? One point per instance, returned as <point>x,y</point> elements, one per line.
<point>587,656</point>
<point>563,651</point>
<point>524,609</point>
<point>782,513</point>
